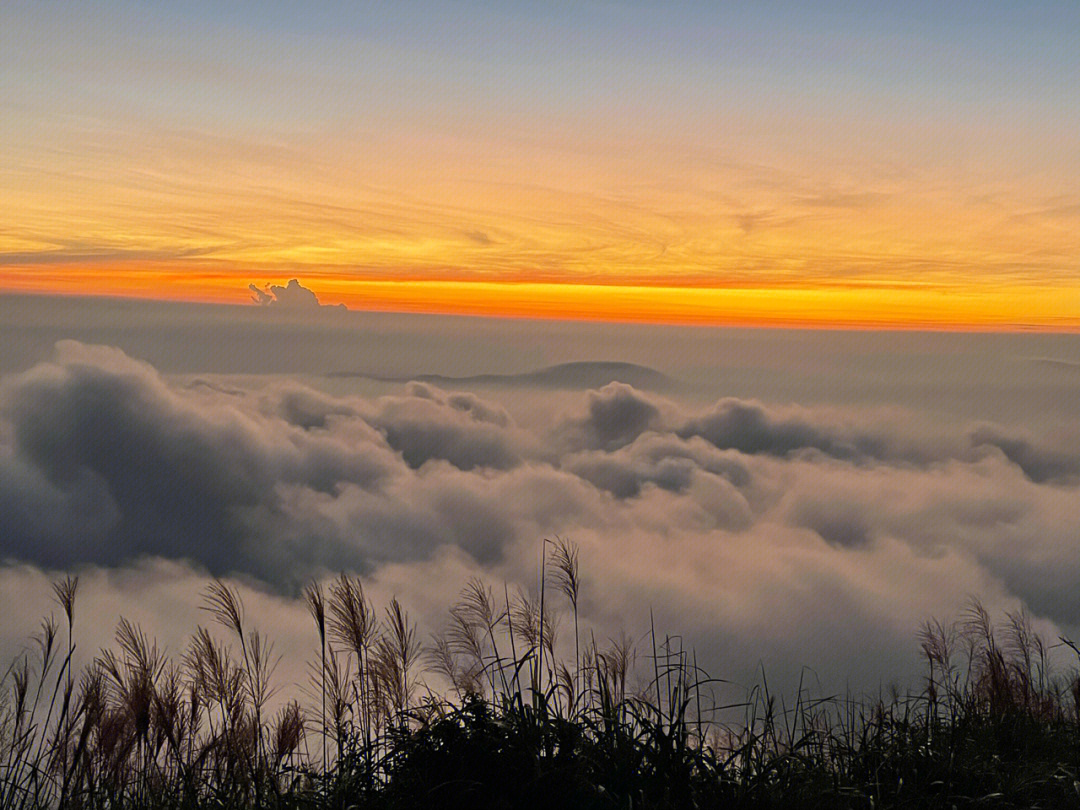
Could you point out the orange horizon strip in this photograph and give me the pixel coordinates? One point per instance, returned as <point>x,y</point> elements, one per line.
<point>1008,308</point>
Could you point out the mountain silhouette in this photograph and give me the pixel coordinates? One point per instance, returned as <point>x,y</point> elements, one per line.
<point>582,374</point>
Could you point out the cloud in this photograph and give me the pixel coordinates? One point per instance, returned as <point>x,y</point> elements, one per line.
<point>750,427</point>
<point>292,296</point>
<point>428,424</point>
<point>83,253</point>
<point>753,428</point>
<point>666,461</point>
<point>477,237</point>
<point>615,415</point>
<point>306,408</point>
<point>1038,461</point>
<point>764,532</point>
<point>156,469</point>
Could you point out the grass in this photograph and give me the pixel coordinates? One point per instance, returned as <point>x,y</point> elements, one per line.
<point>502,710</point>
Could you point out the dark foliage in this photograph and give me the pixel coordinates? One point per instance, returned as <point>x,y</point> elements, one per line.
<point>511,722</point>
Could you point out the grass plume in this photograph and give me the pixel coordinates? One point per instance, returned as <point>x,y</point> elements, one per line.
<point>497,711</point>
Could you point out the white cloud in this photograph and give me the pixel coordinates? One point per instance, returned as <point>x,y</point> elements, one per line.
<point>292,296</point>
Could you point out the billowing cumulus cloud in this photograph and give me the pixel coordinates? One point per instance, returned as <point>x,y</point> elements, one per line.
<point>613,417</point>
<point>764,532</point>
<point>1039,461</point>
<point>752,428</point>
<point>292,296</point>
<point>137,467</point>
<point>460,428</point>
<point>659,459</point>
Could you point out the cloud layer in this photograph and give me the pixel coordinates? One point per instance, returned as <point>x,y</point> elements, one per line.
<point>762,531</point>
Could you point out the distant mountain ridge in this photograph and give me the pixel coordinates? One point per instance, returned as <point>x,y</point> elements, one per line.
<point>580,374</point>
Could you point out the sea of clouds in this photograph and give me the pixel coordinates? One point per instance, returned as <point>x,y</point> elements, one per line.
<point>767,535</point>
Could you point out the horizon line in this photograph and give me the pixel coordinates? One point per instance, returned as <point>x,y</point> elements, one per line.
<point>673,305</point>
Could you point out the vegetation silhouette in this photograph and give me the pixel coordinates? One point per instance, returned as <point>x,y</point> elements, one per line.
<point>491,713</point>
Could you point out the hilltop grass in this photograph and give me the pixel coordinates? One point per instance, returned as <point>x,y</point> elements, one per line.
<point>498,712</point>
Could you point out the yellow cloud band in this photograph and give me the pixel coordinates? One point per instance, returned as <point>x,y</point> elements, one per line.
<point>994,308</point>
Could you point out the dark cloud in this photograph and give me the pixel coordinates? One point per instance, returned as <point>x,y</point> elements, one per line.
<point>477,237</point>
<point>104,462</point>
<point>460,428</point>
<point>660,459</point>
<point>56,526</point>
<point>839,523</point>
<point>755,428</point>
<point>614,416</point>
<point>164,471</point>
<point>1039,462</point>
<point>308,409</point>
<point>750,427</point>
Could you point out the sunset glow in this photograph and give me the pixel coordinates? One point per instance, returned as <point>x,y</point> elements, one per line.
<point>571,180</point>
<point>1011,308</point>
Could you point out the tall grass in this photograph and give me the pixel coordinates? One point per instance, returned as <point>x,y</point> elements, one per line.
<point>500,709</point>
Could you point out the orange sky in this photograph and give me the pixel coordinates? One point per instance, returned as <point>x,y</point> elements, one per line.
<point>1013,308</point>
<point>655,233</point>
<point>856,201</point>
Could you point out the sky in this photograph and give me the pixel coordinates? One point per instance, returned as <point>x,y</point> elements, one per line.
<point>829,164</point>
